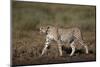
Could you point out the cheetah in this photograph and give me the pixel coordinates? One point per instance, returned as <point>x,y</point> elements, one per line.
<point>60,35</point>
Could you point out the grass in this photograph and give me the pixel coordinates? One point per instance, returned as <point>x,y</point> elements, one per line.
<point>27,43</point>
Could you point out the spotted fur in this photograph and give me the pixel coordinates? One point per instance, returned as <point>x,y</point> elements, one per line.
<point>62,35</point>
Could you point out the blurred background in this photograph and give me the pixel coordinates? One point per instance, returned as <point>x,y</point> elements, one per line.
<point>27,43</point>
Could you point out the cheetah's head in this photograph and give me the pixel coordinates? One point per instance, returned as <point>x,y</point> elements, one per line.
<point>44,30</point>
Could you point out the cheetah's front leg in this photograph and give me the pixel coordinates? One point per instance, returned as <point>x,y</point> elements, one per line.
<point>46,45</point>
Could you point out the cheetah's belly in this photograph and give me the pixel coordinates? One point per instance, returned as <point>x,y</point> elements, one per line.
<point>66,37</point>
